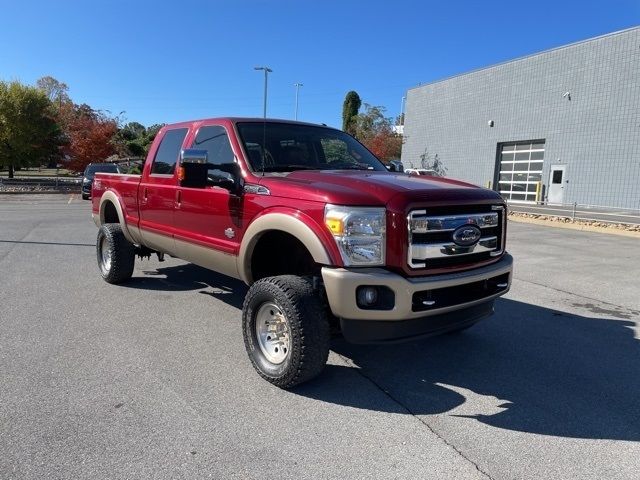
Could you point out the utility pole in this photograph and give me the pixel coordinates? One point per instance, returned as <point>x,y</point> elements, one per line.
<point>402,110</point>
<point>267,71</point>
<point>297,85</point>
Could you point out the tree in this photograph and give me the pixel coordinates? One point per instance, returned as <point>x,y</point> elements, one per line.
<point>350,109</point>
<point>90,134</point>
<point>137,129</point>
<point>56,91</point>
<point>29,134</point>
<point>375,132</point>
<point>134,140</point>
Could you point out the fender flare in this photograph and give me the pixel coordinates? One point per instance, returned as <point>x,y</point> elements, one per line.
<point>110,196</point>
<point>283,222</point>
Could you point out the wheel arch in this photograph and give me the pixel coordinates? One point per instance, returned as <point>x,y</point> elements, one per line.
<point>110,210</point>
<point>279,222</point>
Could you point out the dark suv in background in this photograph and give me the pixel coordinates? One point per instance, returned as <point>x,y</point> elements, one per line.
<point>91,171</point>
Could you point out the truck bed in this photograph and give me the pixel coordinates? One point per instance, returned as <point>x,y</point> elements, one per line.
<point>126,186</point>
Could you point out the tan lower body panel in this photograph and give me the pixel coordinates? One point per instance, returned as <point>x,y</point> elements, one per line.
<point>341,285</point>
<point>160,243</point>
<point>208,258</point>
<point>202,256</point>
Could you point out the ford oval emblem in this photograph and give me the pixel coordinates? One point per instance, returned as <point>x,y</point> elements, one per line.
<point>466,235</point>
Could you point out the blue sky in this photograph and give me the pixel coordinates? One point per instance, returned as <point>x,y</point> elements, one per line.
<point>162,62</point>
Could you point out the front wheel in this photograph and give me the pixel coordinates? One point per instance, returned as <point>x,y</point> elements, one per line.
<point>116,255</point>
<point>285,329</point>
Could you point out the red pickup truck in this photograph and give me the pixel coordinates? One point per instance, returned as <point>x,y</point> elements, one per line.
<point>324,234</point>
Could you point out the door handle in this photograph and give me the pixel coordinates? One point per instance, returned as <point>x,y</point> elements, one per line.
<point>144,195</point>
<point>178,198</point>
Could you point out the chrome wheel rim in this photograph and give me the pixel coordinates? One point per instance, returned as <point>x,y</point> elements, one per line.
<point>272,332</point>
<point>105,255</point>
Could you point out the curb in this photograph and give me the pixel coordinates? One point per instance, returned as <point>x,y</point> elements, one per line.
<point>574,226</point>
<point>40,192</point>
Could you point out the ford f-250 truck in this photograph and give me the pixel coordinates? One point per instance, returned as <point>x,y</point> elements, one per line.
<point>325,236</point>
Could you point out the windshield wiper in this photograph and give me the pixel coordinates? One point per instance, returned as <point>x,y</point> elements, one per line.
<point>345,166</point>
<point>289,168</point>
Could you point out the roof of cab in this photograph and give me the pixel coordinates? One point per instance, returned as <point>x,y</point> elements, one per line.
<point>241,120</point>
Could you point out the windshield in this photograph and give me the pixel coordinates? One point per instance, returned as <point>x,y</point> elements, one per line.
<point>91,170</point>
<point>289,147</point>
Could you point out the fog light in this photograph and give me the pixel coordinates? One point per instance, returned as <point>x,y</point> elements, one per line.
<point>375,297</point>
<point>367,296</point>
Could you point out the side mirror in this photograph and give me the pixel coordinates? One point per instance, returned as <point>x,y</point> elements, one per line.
<point>196,172</point>
<point>193,155</point>
<point>193,168</point>
<point>395,166</point>
<point>227,175</point>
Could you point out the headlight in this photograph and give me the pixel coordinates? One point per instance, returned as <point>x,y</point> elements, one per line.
<point>359,232</point>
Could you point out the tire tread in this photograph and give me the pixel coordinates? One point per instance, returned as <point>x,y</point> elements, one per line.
<point>122,254</point>
<point>311,324</point>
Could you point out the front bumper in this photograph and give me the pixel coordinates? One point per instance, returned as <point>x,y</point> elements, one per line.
<point>451,292</point>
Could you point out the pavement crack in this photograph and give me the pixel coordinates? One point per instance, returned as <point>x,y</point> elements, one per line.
<point>555,289</point>
<point>414,415</point>
<point>21,239</point>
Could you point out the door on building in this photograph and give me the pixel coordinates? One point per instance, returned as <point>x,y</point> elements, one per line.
<point>557,182</point>
<point>520,171</point>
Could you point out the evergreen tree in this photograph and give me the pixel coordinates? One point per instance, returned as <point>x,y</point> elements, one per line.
<point>350,110</point>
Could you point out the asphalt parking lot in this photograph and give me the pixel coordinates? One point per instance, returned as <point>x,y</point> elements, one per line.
<point>150,379</point>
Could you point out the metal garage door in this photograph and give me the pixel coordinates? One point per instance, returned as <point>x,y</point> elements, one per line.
<point>521,170</point>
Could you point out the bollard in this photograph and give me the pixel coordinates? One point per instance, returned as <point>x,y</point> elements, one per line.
<point>573,216</point>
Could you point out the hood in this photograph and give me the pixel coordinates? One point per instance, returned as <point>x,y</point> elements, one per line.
<point>358,187</point>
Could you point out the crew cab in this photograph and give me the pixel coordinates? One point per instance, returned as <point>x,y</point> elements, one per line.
<point>325,236</point>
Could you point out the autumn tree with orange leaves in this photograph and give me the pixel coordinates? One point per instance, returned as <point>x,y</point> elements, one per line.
<point>41,125</point>
<point>89,134</point>
<point>375,132</point>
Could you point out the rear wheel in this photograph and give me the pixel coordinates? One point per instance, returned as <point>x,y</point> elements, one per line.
<point>116,255</point>
<point>285,329</point>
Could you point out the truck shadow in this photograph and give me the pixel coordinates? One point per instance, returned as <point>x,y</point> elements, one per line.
<point>528,369</point>
<point>186,277</point>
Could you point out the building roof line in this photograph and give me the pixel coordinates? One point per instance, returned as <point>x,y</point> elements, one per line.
<point>517,59</point>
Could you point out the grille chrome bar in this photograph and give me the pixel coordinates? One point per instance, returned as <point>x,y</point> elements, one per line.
<point>427,251</point>
<point>431,243</point>
<point>420,223</point>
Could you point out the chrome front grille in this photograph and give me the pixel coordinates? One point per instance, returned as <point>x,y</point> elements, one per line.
<point>435,239</point>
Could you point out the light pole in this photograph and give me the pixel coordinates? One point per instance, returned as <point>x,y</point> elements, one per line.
<point>402,110</point>
<point>297,85</point>
<point>267,71</point>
